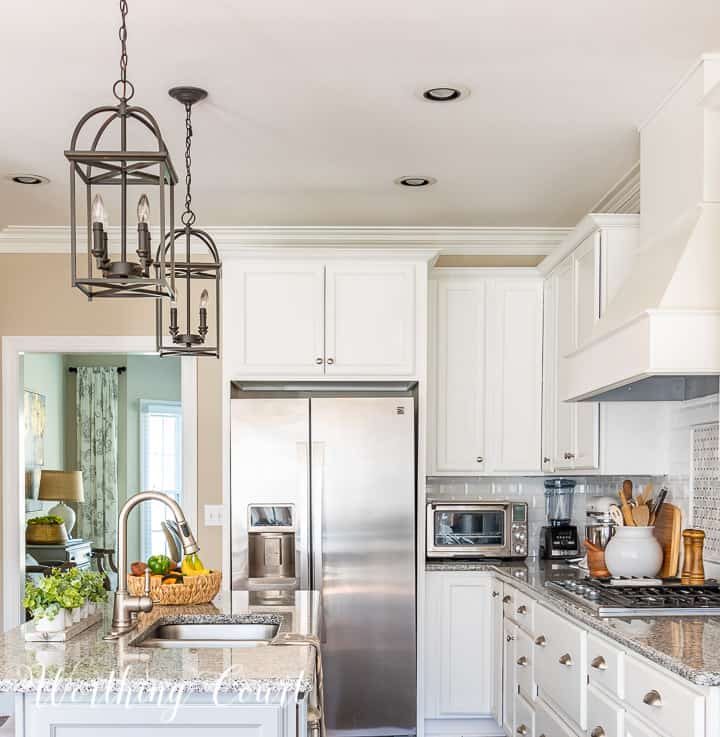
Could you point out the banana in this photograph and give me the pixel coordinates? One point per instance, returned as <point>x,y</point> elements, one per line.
<point>193,566</point>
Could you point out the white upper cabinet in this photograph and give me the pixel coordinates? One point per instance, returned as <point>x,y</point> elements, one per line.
<point>273,318</point>
<point>370,319</point>
<point>460,384</point>
<point>486,350</point>
<point>297,320</point>
<point>615,437</point>
<point>514,371</point>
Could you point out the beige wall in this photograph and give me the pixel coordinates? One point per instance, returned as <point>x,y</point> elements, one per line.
<point>36,299</point>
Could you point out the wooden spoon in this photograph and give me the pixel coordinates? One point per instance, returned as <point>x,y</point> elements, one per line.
<point>625,509</point>
<point>641,515</point>
<point>627,490</point>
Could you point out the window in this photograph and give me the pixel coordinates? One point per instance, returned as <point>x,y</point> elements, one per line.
<point>160,468</point>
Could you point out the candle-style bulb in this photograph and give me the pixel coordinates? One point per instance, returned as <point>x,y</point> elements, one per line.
<point>204,299</point>
<point>97,212</point>
<point>143,209</point>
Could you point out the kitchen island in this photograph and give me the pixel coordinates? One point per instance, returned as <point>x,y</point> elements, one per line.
<point>123,687</point>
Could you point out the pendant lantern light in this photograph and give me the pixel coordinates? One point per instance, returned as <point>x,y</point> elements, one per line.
<point>100,168</point>
<point>194,267</point>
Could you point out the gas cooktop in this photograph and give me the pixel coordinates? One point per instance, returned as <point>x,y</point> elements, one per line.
<point>618,598</point>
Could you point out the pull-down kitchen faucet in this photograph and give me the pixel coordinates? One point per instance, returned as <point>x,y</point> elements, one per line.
<point>124,604</point>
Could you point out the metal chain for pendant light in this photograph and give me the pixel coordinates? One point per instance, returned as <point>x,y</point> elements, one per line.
<point>123,81</point>
<point>188,217</point>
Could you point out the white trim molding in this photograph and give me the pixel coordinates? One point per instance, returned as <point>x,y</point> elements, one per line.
<point>624,196</point>
<point>524,241</point>
<point>13,488</point>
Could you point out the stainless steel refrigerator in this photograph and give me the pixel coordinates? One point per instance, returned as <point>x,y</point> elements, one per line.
<point>345,467</point>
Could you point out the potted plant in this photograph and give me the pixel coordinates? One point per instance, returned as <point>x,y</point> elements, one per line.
<point>94,590</point>
<point>46,530</point>
<point>55,601</point>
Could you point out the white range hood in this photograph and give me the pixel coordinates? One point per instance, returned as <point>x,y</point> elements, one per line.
<point>659,338</point>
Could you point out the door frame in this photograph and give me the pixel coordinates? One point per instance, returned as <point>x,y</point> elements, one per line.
<point>13,508</point>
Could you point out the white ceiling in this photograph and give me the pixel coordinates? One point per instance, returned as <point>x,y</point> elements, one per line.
<point>312,110</point>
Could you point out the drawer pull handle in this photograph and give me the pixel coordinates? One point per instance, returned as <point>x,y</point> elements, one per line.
<point>522,729</point>
<point>522,661</point>
<point>522,609</point>
<point>653,698</point>
<point>540,641</point>
<point>496,593</point>
<point>599,663</point>
<point>598,732</point>
<point>565,659</point>
<point>509,638</point>
<point>507,599</point>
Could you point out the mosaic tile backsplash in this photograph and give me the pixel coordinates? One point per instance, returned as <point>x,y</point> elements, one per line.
<point>706,486</point>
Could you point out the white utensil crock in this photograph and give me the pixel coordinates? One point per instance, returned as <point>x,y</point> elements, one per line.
<point>633,551</point>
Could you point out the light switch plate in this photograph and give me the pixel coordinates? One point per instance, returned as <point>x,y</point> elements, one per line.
<point>213,515</point>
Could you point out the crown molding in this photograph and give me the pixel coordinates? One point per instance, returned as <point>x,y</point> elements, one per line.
<point>623,198</point>
<point>524,241</point>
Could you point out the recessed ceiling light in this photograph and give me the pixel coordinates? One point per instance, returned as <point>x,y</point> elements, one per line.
<point>28,179</point>
<point>415,181</point>
<point>444,94</point>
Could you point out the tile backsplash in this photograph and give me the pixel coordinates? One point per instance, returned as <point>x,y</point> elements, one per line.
<point>532,491</point>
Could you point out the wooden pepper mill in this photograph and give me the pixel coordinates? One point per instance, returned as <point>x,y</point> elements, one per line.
<point>693,571</point>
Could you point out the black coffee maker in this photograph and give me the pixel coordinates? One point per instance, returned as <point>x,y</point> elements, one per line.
<point>559,539</point>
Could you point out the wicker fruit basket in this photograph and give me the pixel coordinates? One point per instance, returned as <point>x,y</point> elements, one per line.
<point>193,589</point>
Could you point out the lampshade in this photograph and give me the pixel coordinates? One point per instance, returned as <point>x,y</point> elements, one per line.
<point>61,486</point>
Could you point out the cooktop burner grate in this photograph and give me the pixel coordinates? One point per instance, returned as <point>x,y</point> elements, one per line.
<point>670,599</point>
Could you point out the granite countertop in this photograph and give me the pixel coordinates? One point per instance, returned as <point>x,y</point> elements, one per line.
<point>686,646</point>
<point>87,663</point>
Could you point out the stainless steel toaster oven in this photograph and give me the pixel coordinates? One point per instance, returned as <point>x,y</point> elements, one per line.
<point>477,529</point>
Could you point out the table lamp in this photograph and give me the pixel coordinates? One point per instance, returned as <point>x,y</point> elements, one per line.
<point>62,486</point>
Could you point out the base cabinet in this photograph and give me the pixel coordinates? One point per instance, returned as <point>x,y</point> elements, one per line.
<point>459,646</point>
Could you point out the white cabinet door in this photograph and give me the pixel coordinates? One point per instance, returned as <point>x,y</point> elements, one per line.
<point>586,266</point>
<point>565,342</point>
<point>273,319</point>
<point>459,662</point>
<point>514,369</point>
<point>549,375</point>
<point>510,691</point>
<point>370,319</point>
<point>460,378</point>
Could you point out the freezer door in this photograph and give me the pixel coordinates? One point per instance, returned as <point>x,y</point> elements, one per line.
<point>269,477</point>
<point>363,511</point>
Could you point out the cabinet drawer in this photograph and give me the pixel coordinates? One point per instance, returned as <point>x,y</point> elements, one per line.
<point>605,665</point>
<point>524,668</point>
<point>561,665</point>
<point>523,612</point>
<point>605,718</point>
<point>524,718</point>
<point>548,724</point>
<point>677,709</point>
<point>635,728</point>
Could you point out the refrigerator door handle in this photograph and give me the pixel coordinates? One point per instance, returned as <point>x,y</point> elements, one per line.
<point>317,477</point>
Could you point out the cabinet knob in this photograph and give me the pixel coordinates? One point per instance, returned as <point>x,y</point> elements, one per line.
<point>653,698</point>
<point>540,641</point>
<point>568,456</point>
<point>546,459</point>
<point>480,459</point>
<point>598,732</point>
<point>522,729</point>
<point>565,659</point>
<point>599,663</point>
<point>509,638</point>
<point>522,609</point>
<point>495,594</point>
<point>522,661</point>
<point>330,361</point>
<point>319,361</point>
<point>507,599</point>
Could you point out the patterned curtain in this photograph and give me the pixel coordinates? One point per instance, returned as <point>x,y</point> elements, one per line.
<point>97,411</point>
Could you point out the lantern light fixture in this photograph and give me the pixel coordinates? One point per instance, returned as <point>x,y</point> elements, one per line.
<point>198,261</point>
<point>96,162</point>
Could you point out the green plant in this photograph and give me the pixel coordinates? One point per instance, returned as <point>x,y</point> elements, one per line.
<point>60,590</point>
<point>49,519</point>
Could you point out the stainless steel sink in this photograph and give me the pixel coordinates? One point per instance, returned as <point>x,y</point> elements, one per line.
<point>207,634</point>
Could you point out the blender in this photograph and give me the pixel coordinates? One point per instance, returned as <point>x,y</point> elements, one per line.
<point>559,539</point>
